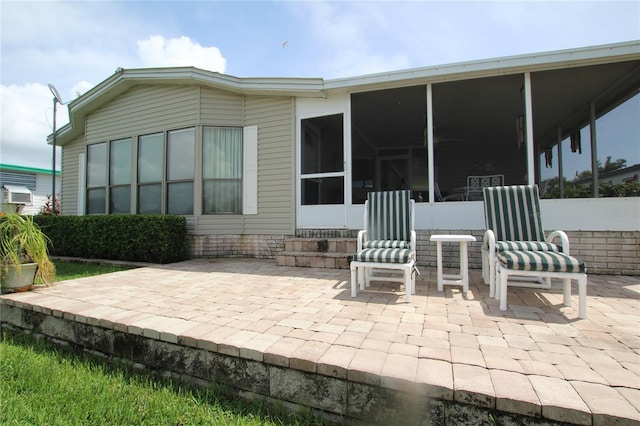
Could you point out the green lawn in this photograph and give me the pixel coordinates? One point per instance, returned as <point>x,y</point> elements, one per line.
<point>40,385</point>
<point>71,270</point>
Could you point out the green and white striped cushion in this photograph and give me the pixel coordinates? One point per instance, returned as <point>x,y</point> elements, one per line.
<point>540,261</point>
<point>527,245</point>
<point>389,215</point>
<point>513,213</point>
<point>385,244</point>
<point>384,255</point>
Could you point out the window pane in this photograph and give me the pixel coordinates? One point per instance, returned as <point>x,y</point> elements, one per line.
<point>180,152</point>
<point>389,149</point>
<point>120,200</point>
<point>96,200</point>
<point>476,132</point>
<point>222,153</point>
<point>323,191</point>
<point>120,173</point>
<point>180,198</point>
<point>322,141</point>
<point>222,196</point>
<point>97,165</point>
<point>549,185</point>
<point>150,158</point>
<point>150,199</point>
<point>618,140</point>
<point>576,165</point>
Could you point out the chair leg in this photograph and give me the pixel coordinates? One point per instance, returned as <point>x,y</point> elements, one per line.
<point>354,283</point>
<point>494,282</point>
<point>485,269</point>
<point>413,279</point>
<point>407,282</point>
<point>492,278</point>
<point>504,276</point>
<point>567,291</point>
<point>582,294</point>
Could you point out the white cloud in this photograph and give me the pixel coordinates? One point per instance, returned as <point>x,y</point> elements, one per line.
<point>353,38</point>
<point>80,88</point>
<point>27,120</point>
<point>156,51</point>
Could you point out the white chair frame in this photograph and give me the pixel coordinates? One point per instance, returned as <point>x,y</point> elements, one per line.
<point>502,283</point>
<point>363,273</point>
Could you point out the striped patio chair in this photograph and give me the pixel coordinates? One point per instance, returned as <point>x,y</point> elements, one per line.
<point>387,244</point>
<point>515,245</point>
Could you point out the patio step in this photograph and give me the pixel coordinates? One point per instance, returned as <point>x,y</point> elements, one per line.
<point>334,253</point>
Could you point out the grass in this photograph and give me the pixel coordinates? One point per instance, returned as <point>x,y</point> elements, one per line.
<point>39,385</point>
<point>72,270</point>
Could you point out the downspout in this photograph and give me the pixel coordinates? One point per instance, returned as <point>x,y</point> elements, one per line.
<point>594,152</point>
<point>530,177</point>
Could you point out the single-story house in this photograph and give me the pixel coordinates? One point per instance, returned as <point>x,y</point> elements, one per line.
<point>252,162</point>
<point>26,189</point>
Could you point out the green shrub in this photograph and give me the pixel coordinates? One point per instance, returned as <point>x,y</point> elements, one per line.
<point>139,238</point>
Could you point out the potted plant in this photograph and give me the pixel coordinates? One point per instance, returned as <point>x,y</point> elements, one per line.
<point>24,254</point>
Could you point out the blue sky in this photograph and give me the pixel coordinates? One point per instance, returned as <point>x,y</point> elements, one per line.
<point>76,45</point>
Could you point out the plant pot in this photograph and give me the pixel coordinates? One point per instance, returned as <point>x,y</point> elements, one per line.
<point>12,281</point>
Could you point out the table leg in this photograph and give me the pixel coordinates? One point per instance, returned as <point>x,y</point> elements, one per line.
<point>464,266</point>
<point>439,259</point>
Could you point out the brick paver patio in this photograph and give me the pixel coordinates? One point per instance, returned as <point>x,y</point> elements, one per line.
<point>536,359</point>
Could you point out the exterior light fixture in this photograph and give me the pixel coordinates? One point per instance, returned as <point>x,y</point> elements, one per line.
<point>56,100</point>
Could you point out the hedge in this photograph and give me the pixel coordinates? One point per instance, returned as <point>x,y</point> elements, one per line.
<point>139,238</point>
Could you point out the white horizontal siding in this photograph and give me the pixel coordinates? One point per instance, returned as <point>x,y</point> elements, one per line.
<point>219,224</point>
<point>274,118</point>
<point>220,108</point>
<point>142,110</point>
<point>71,176</point>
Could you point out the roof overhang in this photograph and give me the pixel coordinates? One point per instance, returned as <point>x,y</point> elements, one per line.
<point>618,52</point>
<point>124,79</point>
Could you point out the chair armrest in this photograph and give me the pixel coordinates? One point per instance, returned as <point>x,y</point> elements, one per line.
<point>362,237</point>
<point>564,240</point>
<point>489,243</point>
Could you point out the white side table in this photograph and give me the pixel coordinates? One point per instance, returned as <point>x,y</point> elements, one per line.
<point>463,277</point>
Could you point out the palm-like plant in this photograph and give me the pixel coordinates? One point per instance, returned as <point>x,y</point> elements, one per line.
<point>22,241</point>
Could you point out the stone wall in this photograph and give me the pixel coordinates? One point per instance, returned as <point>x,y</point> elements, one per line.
<point>605,252</point>
<point>229,245</point>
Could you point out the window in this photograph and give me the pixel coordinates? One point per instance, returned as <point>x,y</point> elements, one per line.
<point>162,167</point>
<point>180,171</point>
<point>476,133</point>
<point>120,176</point>
<point>150,175</point>
<point>322,160</point>
<point>96,178</point>
<point>221,170</point>
<point>389,148</point>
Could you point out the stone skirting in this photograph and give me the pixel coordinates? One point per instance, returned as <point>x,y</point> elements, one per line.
<point>327,390</point>
<point>230,245</point>
<point>605,252</point>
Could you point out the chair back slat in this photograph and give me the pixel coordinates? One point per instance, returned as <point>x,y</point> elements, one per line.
<point>389,215</point>
<point>513,213</point>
